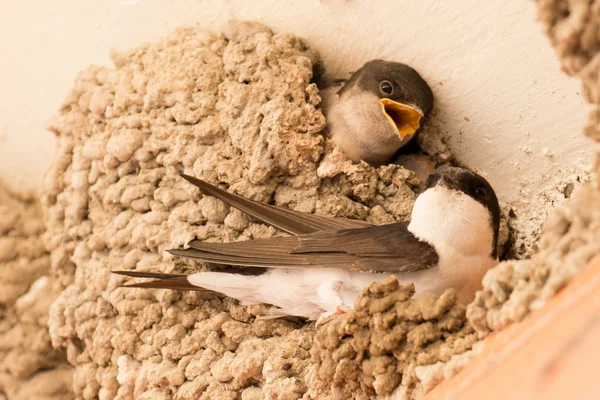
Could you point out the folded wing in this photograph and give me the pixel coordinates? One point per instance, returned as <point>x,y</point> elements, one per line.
<point>321,242</point>
<point>292,222</point>
<point>388,248</point>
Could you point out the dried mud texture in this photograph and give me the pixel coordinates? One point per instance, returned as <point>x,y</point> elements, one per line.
<point>239,110</point>
<point>533,207</point>
<point>430,375</point>
<point>570,240</point>
<point>29,367</point>
<point>571,235</point>
<point>572,27</point>
<point>377,348</point>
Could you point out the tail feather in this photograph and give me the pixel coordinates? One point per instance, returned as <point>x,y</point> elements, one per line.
<point>141,274</point>
<point>165,281</point>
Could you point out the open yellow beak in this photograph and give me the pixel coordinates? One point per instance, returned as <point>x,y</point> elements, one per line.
<point>406,119</point>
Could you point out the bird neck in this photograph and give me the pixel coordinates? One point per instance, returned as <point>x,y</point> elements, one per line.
<point>464,273</point>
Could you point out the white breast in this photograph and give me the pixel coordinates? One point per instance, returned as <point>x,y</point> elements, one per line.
<point>452,221</point>
<point>460,230</point>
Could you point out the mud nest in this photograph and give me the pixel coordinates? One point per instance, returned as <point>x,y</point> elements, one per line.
<point>240,109</point>
<point>237,109</point>
<point>375,349</point>
<point>29,366</point>
<point>571,235</point>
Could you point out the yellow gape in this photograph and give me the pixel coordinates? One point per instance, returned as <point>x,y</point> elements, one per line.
<point>405,119</point>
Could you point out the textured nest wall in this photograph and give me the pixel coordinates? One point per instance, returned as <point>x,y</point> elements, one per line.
<point>29,367</point>
<point>239,109</point>
<point>572,27</point>
<point>571,236</point>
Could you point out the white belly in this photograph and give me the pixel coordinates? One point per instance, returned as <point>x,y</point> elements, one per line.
<point>310,293</point>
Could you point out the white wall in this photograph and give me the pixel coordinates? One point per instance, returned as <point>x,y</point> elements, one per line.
<point>499,90</point>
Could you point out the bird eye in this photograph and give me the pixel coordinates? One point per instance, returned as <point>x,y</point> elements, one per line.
<point>480,191</point>
<point>386,87</point>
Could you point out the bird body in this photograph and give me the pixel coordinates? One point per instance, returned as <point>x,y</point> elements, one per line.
<point>449,243</point>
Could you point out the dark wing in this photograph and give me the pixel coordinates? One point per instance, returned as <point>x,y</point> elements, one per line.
<point>388,248</point>
<point>292,222</point>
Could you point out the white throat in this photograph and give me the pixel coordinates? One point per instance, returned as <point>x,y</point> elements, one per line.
<point>452,222</point>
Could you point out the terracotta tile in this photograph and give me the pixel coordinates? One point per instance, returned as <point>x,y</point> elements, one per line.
<point>552,354</point>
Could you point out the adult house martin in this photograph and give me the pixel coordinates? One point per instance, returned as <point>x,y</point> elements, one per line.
<point>319,270</point>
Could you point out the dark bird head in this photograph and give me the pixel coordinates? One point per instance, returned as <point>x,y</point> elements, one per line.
<point>404,96</point>
<point>459,208</point>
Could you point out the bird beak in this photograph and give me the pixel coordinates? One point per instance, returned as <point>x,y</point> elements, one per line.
<point>406,119</point>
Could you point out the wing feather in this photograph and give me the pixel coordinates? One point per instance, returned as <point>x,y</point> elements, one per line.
<point>389,248</point>
<point>292,222</point>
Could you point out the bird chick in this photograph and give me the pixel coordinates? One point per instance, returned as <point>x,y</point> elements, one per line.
<point>318,272</point>
<point>377,111</point>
